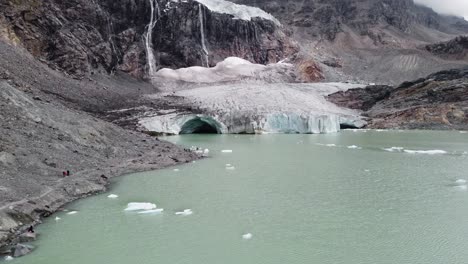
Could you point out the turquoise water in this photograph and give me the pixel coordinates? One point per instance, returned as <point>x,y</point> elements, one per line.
<point>302,200</point>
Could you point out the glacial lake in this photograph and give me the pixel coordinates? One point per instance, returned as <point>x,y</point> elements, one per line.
<point>337,198</point>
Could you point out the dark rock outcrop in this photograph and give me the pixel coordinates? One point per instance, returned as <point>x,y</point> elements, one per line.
<point>456,48</point>
<point>81,37</point>
<point>439,101</point>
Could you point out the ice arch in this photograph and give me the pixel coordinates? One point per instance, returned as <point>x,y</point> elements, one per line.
<point>201,125</point>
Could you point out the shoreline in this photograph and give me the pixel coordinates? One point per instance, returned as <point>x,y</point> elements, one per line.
<point>19,215</point>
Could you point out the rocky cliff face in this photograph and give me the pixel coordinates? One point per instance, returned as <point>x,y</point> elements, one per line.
<point>375,41</point>
<point>439,101</point>
<point>328,18</point>
<point>82,37</point>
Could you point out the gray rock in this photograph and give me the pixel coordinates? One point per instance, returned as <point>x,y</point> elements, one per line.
<point>21,250</point>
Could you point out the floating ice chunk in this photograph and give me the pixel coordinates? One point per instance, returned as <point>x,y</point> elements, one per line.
<point>354,147</point>
<point>460,182</point>
<point>72,213</point>
<point>153,211</point>
<point>8,258</point>
<point>140,206</point>
<point>462,187</point>
<point>330,145</point>
<point>463,132</point>
<point>367,170</point>
<point>230,168</point>
<point>112,196</point>
<point>176,170</point>
<point>226,151</point>
<point>57,218</point>
<point>228,165</point>
<point>247,236</point>
<point>186,212</point>
<point>394,149</point>
<point>206,152</point>
<point>429,152</point>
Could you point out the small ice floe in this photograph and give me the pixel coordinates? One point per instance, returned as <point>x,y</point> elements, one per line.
<point>380,130</point>
<point>394,149</point>
<point>354,147</point>
<point>247,236</point>
<point>112,196</point>
<point>186,212</point>
<point>153,211</point>
<point>463,132</point>
<point>176,170</point>
<point>428,152</point>
<point>230,168</point>
<point>326,145</point>
<point>140,206</point>
<point>57,218</point>
<point>72,213</point>
<point>206,152</point>
<point>366,170</point>
<point>8,258</point>
<point>226,151</point>
<point>460,182</point>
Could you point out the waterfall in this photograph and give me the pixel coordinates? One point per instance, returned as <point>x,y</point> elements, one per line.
<point>202,33</point>
<point>155,14</point>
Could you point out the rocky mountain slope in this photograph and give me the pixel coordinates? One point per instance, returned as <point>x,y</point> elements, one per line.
<point>45,131</point>
<point>375,41</point>
<point>82,37</point>
<point>438,101</point>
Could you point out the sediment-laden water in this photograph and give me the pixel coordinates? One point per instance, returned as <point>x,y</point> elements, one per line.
<point>353,197</point>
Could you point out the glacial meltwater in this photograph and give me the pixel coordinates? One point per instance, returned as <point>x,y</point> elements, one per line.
<point>355,197</point>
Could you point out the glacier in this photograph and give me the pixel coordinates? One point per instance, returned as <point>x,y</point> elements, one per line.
<point>253,108</point>
<point>242,12</point>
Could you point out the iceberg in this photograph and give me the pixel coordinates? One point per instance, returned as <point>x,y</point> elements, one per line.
<point>186,212</point>
<point>140,206</point>
<point>247,236</point>
<point>153,211</point>
<point>429,152</point>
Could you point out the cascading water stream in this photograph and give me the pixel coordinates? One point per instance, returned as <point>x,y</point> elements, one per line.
<point>202,33</point>
<point>151,58</point>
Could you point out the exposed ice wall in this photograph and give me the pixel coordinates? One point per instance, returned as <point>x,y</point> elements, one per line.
<point>258,108</point>
<point>151,58</point>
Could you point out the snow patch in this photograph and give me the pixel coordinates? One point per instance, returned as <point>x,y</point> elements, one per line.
<point>232,68</point>
<point>238,11</point>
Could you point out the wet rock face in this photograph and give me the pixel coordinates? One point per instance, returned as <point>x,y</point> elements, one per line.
<point>85,36</point>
